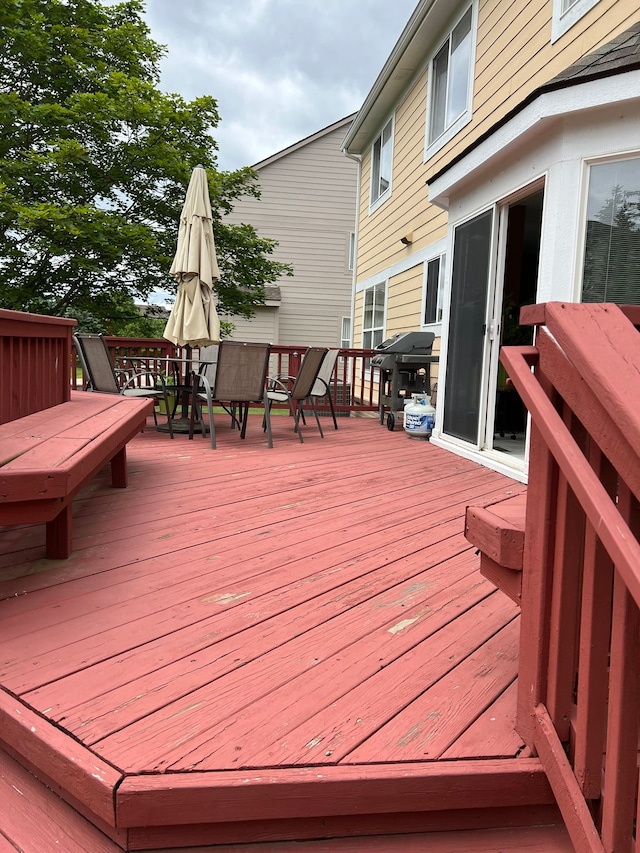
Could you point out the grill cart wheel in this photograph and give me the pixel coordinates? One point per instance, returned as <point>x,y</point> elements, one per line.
<point>391,421</point>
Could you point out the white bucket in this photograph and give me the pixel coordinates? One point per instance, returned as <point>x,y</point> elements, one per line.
<point>419,416</point>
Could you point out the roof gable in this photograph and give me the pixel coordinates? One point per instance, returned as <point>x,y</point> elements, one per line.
<point>343,122</point>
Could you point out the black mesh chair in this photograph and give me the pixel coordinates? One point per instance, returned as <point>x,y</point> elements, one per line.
<point>96,363</point>
<point>302,388</point>
<point>240,379</point>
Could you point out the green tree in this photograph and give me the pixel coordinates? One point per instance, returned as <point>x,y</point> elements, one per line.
<point>94,165</point>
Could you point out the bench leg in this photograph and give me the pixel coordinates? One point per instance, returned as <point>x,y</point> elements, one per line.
<point>119,469</point>
<point>59,532</point>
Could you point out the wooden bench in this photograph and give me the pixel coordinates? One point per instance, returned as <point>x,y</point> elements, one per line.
<point>497,531</point>
<point>48,456</point>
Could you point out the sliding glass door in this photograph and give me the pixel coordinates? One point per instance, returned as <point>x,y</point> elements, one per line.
<point>467,327</point>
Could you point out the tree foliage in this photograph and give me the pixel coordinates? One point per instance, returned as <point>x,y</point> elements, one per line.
<point>612,250</point>
<point>94,165</point>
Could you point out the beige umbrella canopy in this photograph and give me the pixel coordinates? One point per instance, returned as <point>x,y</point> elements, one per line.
<point>193,319</point>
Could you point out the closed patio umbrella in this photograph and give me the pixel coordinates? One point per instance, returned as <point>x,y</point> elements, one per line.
<point>193,319</point>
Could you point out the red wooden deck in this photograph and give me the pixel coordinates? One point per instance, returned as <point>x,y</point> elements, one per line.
<point>252,644</point>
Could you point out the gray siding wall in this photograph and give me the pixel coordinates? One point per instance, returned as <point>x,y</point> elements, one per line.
<point>308,205</point>
<point>261,328</point>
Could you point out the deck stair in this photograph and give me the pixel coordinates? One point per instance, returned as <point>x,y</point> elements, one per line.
<point>36,820</point>
<point>497,531</point>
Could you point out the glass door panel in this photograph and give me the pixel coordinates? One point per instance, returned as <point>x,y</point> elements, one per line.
<point>467,319</point>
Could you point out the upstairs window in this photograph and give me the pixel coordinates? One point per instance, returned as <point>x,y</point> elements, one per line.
<point>451,80</point>
<point>381,157</point>
<point>566,13</point>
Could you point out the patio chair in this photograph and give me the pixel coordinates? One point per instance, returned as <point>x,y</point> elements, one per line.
<point>322,385</point>
<point>240,379</point>
<point>97,366</point>
<point>303,384</point>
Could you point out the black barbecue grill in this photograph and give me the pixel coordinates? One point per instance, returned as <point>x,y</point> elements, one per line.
<point>404,362</point>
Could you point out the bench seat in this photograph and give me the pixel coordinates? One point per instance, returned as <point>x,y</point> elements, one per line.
<point>497,531</point>
<point>48,456</point>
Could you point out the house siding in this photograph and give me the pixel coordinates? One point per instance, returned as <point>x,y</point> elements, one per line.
<point>261,328</point>
<point>308,206</point>
<point>514,57</point>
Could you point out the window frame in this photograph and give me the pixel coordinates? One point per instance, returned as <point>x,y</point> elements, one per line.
<point>374,203</point>
<point>351,252</point>
<point>434,325</point>
<point>563,20</point>
<point>432,146</point>
<point>581,243</point>
<point>345,332</point>
<point>379,285</point>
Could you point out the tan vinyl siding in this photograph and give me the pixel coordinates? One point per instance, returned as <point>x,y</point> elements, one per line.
<point>404,300</point>
<point>408,208</point>
<point>514,57</point>
<point>308,205</point>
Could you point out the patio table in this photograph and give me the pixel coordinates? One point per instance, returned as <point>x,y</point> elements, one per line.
<point>180,380</point>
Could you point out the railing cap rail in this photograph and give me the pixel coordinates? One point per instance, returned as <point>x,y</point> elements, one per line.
<point>25,317</point>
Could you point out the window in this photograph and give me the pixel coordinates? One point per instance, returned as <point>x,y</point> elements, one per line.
<point>352,250</point>
<point>566,13</point>
<point>611,268</point>
<point>373,318</point>
<point>434,291</point>
<point>345,333</point>
<point>450,77</point>
<point>381,163</point>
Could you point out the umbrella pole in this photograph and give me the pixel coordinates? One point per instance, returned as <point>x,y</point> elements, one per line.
<point>185,389</point>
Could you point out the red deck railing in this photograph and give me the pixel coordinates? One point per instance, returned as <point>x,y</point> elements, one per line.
<point>351,388</point>
<point>35,354</point>
<point>579,675</point>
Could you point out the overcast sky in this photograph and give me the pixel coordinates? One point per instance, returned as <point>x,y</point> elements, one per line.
<point>280,70</point>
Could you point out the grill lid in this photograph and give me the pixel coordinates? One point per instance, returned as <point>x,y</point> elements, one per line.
<point>408,343</point>
<point>388,361</point>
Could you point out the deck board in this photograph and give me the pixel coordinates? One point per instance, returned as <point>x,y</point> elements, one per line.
<point>247,609</point>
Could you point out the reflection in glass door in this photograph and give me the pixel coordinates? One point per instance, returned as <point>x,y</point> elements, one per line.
<point>467,326</point>
<point>517,286</point>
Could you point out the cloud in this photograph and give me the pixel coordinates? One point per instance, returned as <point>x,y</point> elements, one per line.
<point>279,69</point>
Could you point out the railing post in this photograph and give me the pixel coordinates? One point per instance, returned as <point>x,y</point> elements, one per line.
<point>295,360</point>
<point>565,597</point>
<point>536,584</point>
<point>621,773</point>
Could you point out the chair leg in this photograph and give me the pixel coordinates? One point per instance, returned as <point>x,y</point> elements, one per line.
<point>244,417</point>
<point>292,409</point>
<point>212,426</point>
<point>296,427</point>
<point>267,419</point>
<point>313,406</point>
<point>333,411</point>
<point>166,408</point>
